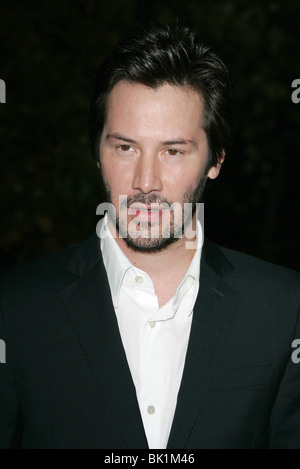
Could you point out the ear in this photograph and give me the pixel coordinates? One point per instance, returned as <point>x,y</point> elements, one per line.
<point>214,170</point>
<point>98,164</point>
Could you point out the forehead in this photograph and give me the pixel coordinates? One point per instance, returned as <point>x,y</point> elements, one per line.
<point>164,108</point>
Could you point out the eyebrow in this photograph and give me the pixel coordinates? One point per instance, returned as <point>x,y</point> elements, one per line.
<point>119,137</point>
<point>180,141</point>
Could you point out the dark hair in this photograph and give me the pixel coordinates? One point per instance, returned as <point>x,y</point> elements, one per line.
<point>159,55</point>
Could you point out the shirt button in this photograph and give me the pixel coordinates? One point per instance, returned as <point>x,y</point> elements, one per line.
<point>152,324</point>
<point>139,279</point>
<point>151,409</point>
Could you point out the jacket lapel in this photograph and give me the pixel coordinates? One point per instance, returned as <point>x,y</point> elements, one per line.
<point>89,305</point>
<point>212,317</point>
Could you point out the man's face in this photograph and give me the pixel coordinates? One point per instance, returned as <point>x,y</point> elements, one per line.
<point>154,152</point>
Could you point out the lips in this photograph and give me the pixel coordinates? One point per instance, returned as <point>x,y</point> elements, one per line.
<point>144,207</point>
<point>145,212</point>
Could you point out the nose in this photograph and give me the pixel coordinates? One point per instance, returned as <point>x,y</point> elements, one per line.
<point>147,174</point>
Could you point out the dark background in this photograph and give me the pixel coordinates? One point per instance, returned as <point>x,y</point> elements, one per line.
<point>49,52</point>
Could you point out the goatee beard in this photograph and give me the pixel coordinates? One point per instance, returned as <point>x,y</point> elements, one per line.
<point>150,244</point>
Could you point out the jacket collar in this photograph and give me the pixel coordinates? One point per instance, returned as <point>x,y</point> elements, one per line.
<point>88,254</point>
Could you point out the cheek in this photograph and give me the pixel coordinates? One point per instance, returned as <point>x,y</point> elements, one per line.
<point>187,179</point>
<point>114,174</point>
<point>108,168</point>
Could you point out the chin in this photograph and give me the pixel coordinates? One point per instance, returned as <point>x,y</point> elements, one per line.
<point>149,245</point>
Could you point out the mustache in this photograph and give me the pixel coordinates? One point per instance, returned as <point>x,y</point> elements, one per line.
<point>146,200</point>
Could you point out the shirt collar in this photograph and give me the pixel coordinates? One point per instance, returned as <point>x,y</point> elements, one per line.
<point>192,275</point>
<point>115,261</point>
<point>117,264</point>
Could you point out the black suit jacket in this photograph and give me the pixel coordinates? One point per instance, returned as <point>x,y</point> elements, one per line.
<point>66,381</point>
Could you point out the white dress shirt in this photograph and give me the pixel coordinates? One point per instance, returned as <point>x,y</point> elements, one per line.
<point>155,339</point>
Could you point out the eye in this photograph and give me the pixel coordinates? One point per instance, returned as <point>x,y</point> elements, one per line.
<point>173,152</point>
<point>125,148</point>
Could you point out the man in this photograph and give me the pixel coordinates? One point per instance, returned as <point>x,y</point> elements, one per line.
<point>143,336</point>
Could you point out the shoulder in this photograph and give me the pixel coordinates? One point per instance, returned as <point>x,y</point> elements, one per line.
<point>253,265</point>
<point>38,270</point>
<point>47,273</point>
<point>255,274</point>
